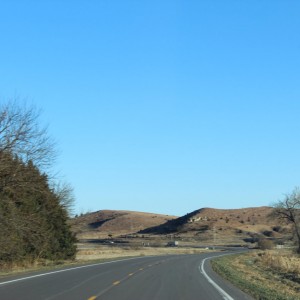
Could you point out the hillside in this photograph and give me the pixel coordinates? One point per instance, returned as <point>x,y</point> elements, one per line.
<point>253,219</point>
<point>102,223</point>
<point>205,225</point>
<point>223,224</point>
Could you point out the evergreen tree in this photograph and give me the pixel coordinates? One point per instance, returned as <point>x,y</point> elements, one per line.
<point>33,215</point>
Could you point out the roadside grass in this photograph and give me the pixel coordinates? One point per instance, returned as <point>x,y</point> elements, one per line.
<point>31,266</point>
<point>111,252</point>
<point>91,255</point>
<point>265,275</point>
<point>42,265</point>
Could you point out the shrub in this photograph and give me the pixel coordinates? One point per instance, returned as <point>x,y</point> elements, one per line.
<point>277,228</point>
<point>268,233</point>
<point>265,244</point>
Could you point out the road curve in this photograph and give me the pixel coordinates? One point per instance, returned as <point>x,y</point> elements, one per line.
<point>174,277</point>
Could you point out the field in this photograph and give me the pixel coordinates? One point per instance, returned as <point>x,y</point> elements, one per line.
<point>138,246</point>
<point>268,275</point>
<point>117,252</point>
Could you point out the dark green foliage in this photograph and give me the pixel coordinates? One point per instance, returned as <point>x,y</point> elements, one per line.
<point>33,215</point>
<point>33,221</point>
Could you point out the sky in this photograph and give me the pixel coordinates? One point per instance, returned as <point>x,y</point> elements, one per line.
<point>161,106</point>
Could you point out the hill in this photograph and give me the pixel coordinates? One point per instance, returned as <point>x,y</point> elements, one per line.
<point>103,223</point>
<point>246,218</point>
<point>205,225</point>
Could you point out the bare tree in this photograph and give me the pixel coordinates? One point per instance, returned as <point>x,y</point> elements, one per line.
<point>65,193</point>
<point>21,135</point>
<point>288,209</point>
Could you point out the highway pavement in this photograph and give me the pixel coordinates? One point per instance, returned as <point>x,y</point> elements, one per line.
<point>173,277</point>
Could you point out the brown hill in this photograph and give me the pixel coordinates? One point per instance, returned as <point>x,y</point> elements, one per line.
<point>104,223</point>
<point>204,226</point>
<point>223,225</point>
<point>211,217</point>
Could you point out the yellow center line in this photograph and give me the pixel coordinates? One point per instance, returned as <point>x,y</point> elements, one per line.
<point>114,284</point>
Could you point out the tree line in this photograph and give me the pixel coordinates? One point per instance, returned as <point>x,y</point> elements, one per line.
<point>33,209</point>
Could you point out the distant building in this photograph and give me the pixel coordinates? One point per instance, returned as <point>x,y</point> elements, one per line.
<point>172,244</point>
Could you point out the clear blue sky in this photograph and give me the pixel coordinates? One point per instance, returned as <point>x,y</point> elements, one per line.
<point>162,106</point>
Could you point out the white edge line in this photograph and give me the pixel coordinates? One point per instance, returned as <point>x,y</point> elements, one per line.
<point>217,287</point>
<point>64,270</point>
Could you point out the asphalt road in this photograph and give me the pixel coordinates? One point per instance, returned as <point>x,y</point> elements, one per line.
<point>176,277</point>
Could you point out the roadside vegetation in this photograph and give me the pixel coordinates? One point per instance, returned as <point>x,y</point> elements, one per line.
<point>288,210</point>
<point>33,207</point>
<point>86,254</point>
<point>264,274</point>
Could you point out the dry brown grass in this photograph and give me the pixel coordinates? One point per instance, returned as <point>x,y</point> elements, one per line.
<point>231,226</point>
<point>115,222</point>
<point>30,266</point>
<point>105,252</point>
<point>270,274</point>
<point>279,261</point>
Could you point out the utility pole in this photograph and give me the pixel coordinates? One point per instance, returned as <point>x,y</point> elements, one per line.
<point>214,234</point>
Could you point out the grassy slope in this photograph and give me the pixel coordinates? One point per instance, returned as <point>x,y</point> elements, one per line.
<point>249,273</point>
